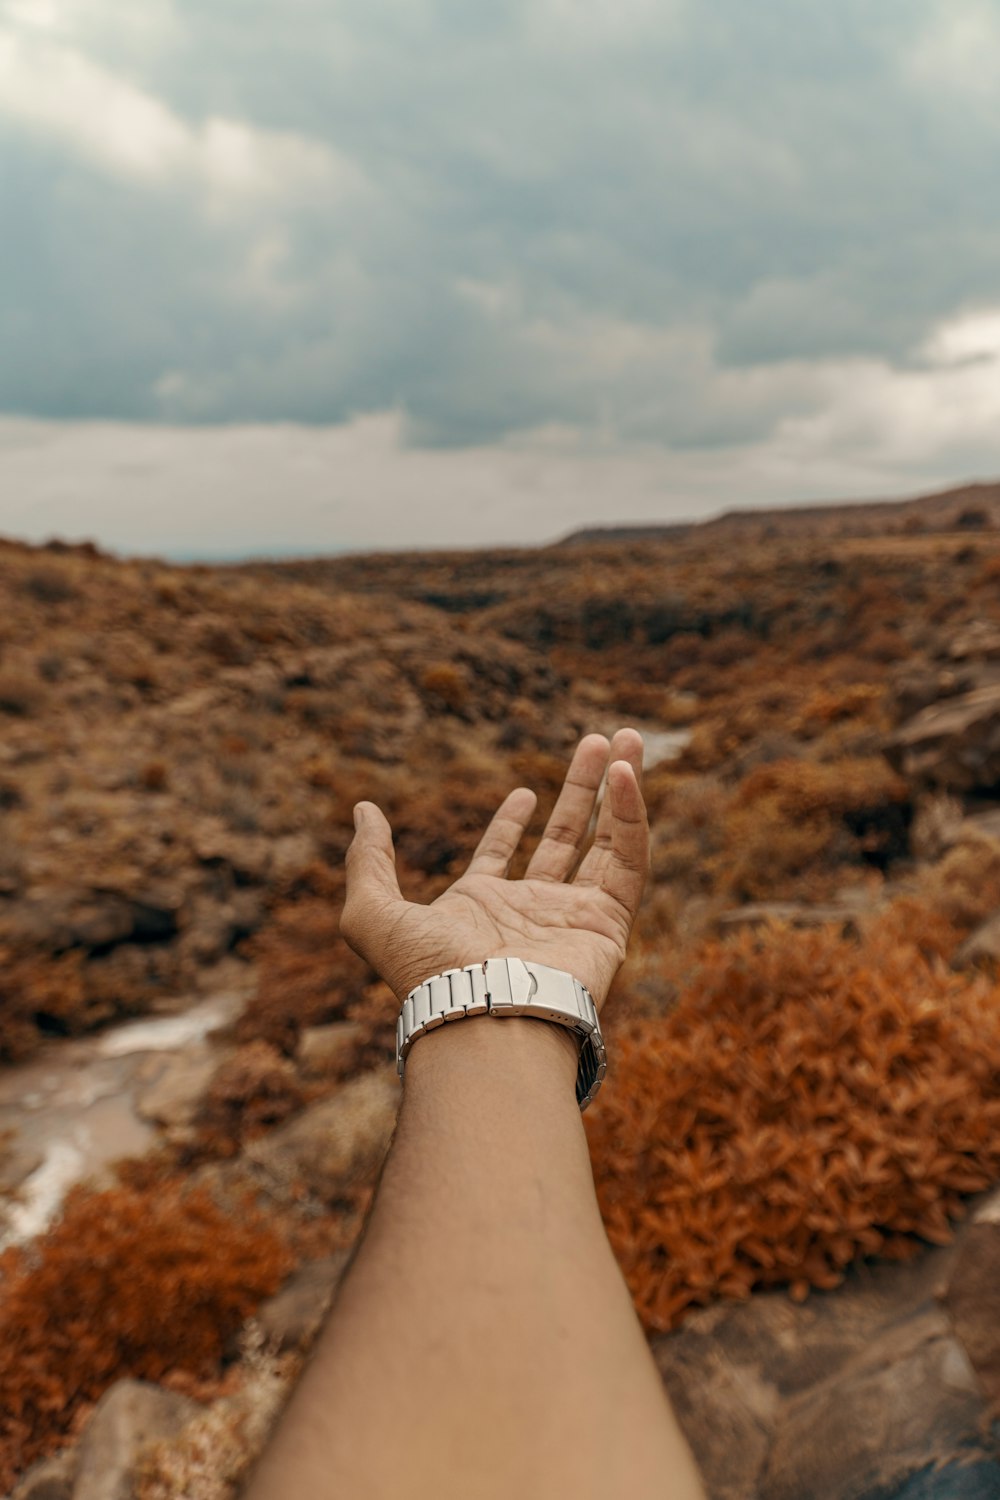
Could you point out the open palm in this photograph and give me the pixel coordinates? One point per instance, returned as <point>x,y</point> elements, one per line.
<point>580,923</point>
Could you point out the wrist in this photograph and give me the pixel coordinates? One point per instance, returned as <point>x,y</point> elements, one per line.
<point>503,1051</point>
<point>506,988</point>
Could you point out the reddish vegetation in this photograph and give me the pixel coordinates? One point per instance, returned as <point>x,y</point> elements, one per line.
<point>129,1282</point>
<point>809,1101</point>
<point>181,748</point>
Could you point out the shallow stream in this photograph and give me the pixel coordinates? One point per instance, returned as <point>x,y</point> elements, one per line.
<point>70,1111</point>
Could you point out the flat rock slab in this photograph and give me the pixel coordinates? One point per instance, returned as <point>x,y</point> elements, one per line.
<point>756,1385</point>
<point>954,745</point>
<point>974,1481</point>
<point>973,1301</point>
<point>791,914</point>
<point>128,1417</point>
<point>912,1402</point>
<point>173,1098</point>
<point>52,1479</point>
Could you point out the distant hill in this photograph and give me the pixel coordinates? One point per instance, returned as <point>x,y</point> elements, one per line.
<point>971,507</point>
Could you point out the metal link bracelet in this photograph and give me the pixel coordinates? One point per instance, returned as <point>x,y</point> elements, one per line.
<point>508,987</point>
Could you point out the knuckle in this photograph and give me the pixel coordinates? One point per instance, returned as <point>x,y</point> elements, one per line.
<point>562,833</point>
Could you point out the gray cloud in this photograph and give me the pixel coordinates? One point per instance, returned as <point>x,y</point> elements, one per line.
<point>655,221</point>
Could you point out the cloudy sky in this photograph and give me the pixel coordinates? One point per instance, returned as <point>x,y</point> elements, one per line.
<point>364,273</point>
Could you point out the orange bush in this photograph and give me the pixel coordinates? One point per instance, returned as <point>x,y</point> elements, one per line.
<point>809,1101</point>
<point>791,816</point>
<point>250,1091</point>
<point>128,1282</point>
<point>445,686</point>
<point>308,975</point>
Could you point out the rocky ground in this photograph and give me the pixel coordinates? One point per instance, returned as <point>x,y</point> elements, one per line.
<point>179,752</point>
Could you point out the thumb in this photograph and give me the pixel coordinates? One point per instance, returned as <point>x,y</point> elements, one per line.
<point>371,873</point>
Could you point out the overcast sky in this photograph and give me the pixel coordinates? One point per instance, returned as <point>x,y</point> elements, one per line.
<point>363,273</point>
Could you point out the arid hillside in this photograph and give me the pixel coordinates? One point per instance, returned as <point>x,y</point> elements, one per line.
<point>805,1041</point>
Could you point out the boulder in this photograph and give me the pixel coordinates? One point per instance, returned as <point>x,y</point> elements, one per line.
<point>979,640</point>
<point>916,687</point>
<point>953,745</point>
<point>742,1375</point>
<point>328,1049</point>
<point>334,1143</point>
<point>979,1480</point>
<point>291,1318</point>
<point>983,825</point>
<point>173,1099</point>
<point>211,928</point>
<point>973,1297</point>
<point>91,917</point>
<point>52,1479</point>
<point>129,1416</point>
<point>981,946</point>
<point>910,1401</point>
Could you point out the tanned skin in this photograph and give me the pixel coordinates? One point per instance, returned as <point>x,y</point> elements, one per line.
<point>483,1344</point>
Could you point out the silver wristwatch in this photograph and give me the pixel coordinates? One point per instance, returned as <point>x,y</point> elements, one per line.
<point>508,987</point>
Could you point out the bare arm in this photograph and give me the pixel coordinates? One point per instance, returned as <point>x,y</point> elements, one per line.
<point>483,1343</point>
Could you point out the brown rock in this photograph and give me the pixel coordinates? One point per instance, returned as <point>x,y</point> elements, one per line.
<point>335,1142</point>
<point>738,1369</point>
<point>173,1099</point>
<point>980,947</point>
<point>910,1401</point>
<point>792,913</point>
<point>916,688</point>
<point>973,1301</point>
<point>90,917</point>
<point>291,1318</point>
<point>954,744</point>
<point>212,928</point>
<point>253,857</point>
<point>130,1415</point>
<point>726,1417</point>
<point>52,1479</point>
<point>986,825</point>
<point>325,1049</point>
<point>980,639</point>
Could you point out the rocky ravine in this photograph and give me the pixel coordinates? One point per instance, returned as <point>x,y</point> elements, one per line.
<point>198,746</point>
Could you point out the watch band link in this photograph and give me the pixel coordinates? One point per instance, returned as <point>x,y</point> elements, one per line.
<point>508,987</point>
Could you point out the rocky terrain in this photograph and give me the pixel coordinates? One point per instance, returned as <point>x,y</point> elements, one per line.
<point>798,1147</point>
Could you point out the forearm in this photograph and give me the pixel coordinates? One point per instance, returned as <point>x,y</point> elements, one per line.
<point>483,1343</point>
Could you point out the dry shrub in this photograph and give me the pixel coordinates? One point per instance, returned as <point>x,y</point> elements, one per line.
<point>50,585</point>
<point>22,693</point>
<point>154,776</point>
<point>39,995</point>
<point>69,994</point>
<point>213,1453</point>
<point>221,639</point>
<point>809,1101</point>
<point>790,815</point>
<point>307,975</point>
<point>445,685</point>
<point>251,1091</point>
<point>833,705</point>
<point>128,1282</point>
<point>964,886</point>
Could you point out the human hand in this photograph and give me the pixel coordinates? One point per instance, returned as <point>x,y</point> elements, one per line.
<point>580,923</point>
